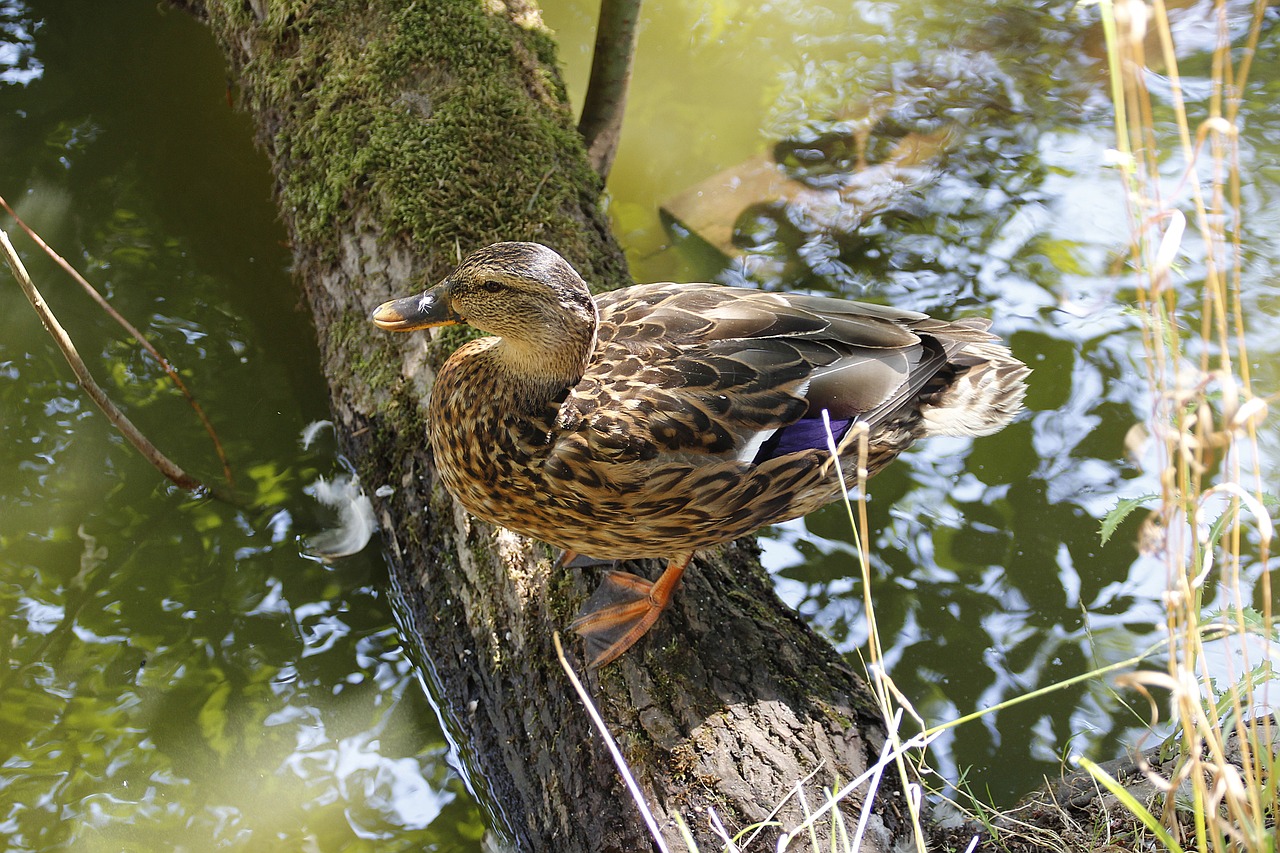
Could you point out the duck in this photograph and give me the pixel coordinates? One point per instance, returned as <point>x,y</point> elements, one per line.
<point>659,420</point>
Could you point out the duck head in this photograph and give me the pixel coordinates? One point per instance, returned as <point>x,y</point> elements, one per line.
<point>523,293</point>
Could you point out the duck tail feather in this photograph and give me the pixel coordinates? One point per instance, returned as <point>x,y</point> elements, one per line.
<point>985,395</point>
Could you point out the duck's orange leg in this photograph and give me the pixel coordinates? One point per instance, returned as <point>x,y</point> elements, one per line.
<point>623,608</point>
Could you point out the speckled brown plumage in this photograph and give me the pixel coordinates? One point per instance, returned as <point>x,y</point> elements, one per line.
<point>661,419</point>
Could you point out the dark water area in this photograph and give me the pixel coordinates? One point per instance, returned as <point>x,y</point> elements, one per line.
<point>181,674</point>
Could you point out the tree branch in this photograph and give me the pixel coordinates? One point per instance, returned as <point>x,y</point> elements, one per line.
<point>86,381</point>
<point>606,98</point>
<point>133,331</point>
<point>403,134</point>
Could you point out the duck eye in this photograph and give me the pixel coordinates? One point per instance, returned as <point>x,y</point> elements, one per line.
<point>491,286</point>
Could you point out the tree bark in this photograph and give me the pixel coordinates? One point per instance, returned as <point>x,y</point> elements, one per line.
<point>402,137</point>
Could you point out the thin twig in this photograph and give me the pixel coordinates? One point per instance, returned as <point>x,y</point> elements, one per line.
<point>86,381</point>
<point>132,330</point>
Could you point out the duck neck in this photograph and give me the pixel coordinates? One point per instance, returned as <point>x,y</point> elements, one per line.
<point>539,372</point>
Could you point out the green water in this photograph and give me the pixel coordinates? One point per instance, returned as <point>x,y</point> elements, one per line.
<point>180,674</point>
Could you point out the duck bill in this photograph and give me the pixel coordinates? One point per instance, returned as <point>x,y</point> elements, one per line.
<point>423,311</point>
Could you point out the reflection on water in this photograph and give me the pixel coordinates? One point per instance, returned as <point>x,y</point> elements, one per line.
<point>178,675</point>
<point>181,675</point>
<point>990,578</point>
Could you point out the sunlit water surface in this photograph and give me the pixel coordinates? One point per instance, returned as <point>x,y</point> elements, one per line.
<point>178,674</point>
<point>181,674</point>
<point>988,573</point>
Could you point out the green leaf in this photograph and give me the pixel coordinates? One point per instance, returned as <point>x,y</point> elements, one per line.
<point>1251,618</point>
<point>1120,512</point>
<point>1219,525</point>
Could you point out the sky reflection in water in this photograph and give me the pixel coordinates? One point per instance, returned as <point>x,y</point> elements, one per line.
<point>182,674</point>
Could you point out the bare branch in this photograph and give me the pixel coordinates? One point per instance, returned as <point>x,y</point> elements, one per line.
<point>606,98</point>
<point>86,381</point>
<point>132,330</point>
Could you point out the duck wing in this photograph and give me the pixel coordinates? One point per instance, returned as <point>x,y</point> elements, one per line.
<point>745,374</point>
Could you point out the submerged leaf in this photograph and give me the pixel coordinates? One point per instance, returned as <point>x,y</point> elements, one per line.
<point>212,719</point>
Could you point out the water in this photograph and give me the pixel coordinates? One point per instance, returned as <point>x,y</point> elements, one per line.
<point>179,674</point>
<point>185,666</point>
<point>989,576</point>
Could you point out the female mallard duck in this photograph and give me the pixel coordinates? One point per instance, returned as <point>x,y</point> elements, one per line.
<point>660,419</point>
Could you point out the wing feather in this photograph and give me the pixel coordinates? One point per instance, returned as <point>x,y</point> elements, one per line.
<point>725,371</point>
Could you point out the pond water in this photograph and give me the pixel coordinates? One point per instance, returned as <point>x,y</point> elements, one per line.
<point>178,675</point>
<point>181,674</point>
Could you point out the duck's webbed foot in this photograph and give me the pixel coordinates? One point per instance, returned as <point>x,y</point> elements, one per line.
<point>623,608</point>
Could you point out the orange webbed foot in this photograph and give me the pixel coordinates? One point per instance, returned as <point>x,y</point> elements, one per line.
<point>623,609</point>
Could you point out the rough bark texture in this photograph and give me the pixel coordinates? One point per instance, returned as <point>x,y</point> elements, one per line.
<point>401,137</point>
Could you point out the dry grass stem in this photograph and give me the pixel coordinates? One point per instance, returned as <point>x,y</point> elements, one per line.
<point>1205,417</point>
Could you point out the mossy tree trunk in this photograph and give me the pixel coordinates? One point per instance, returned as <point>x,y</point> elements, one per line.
<point>402,136</point>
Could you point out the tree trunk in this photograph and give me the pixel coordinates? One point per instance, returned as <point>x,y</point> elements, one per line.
<point>402,137</point>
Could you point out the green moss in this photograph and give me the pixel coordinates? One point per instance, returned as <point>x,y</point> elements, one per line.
<point>372,365</point>
<point>423,108</point>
